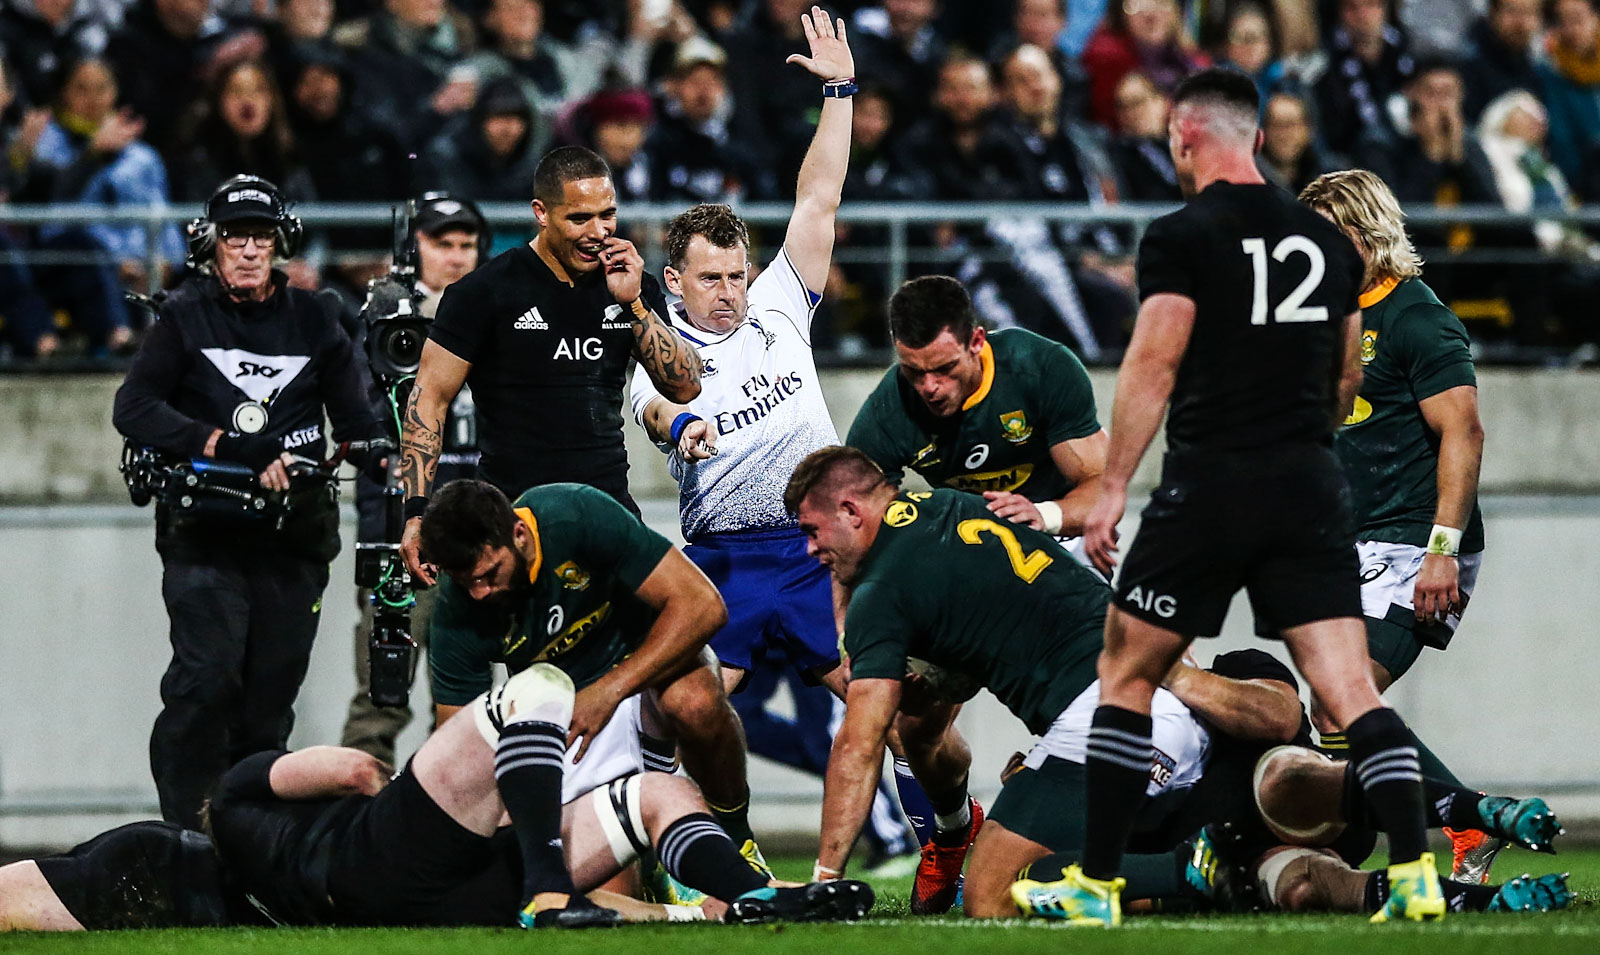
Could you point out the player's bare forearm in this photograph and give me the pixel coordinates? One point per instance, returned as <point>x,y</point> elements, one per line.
<point>688,611</point>
<point>1453,415</point>
<point>1142,394</point>
<point>854,767</point>
<point>421,442</point>
<point>1249,709</point>
<point>658,417</point>
<point>1076,504</point>
<point>1144,384</point>
<point>671,362</point>
<point>818,194</point>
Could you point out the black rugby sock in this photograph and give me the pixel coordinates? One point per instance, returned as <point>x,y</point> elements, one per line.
<point>1118,770</point>
<point>1385,756</point>
<point>695,851</point>
<point>528,764</point>
<point>1458,896</point>
<point>735,821</point>
<point>1444,805</point>
<point>952,814</point>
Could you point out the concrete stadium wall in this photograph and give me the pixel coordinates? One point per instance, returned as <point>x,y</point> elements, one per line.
<point>59,447</point>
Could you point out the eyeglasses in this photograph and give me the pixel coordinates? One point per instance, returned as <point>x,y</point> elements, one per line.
<point>238,240</point>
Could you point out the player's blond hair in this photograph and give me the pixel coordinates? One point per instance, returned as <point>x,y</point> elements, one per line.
<point>1362,206</point>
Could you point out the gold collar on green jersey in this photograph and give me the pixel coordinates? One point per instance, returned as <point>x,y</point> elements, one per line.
<point>986,358</point>
<point>526,516</point>
<point>1377,293</point>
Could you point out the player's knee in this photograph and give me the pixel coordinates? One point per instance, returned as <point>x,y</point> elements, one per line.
<point>1286,882</point>
<point>541,692</point>
<point>1284,777</point>
<point>702,714</point>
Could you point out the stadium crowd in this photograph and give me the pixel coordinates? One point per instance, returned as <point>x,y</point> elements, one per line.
<point>135,102</point>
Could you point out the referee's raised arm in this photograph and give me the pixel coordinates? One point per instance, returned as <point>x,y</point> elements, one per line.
<point>818,193</point>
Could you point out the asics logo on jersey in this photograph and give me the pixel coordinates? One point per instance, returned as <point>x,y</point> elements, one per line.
<point>1369,574</point>
<point>1162,605</point>
<point>531,320</point>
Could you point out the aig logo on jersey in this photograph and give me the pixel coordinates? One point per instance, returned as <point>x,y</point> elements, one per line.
<point>1162,605</point>
<point>579,349</point>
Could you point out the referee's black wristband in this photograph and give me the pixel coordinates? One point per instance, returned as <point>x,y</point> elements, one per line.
<point>414,506</point>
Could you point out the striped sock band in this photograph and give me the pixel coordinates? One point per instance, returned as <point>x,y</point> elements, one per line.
<point>530,743</point>
<point>695,851</point>
<point>660,755</point>
<point>1336,745</point>
<point>1387,767</point>
<point>1398,764</point>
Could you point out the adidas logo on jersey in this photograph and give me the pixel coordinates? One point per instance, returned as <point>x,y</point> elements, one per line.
<point>531,320</point>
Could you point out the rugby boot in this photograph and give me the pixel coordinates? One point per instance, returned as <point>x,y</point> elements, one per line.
<point>843,900</point>
<point>752,854</point>
<point>1471,854</point>
<point>1528,823</point>
<point>938,880</point>
<point>1413,893</point>
<point>1204,865</point>
<point>1547,893</point>
<point>663,888</point>
<point>1074,898</point>
<point>579,913</point>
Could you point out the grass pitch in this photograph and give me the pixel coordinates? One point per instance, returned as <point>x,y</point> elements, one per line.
<point>890,930</point>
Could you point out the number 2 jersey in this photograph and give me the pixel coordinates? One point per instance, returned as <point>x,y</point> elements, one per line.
<point>947,582</point>
<point>1272,283</point>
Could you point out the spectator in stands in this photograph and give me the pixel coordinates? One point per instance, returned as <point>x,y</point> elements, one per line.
<point>1513,132</point>
<point>301,25</point>
<point>1041,23</point>
<point>159,57</point>
<point>348,158</point>
<point>1139,151</point>
<point>242,127</point>
<point>513,39</point>
<point>1437,27</point>
<point>1142,35</point>
<point>693,156</point>
<point>1571,89</point>
<point>409,64</point>
<point>960,151</point>
<point>26,328</point>
<point>1432,157</point>
<point>617,124</point>
<point>1368,62</point>
<point>771,106</point>
<point>1290,157</point>
<point>896,44</point>
<point>1249,46</point>
<point>39,37</point>
<point>490,153</point>
<point>1500,47</point>
<point>96,154</point>
<point>1078,277</point>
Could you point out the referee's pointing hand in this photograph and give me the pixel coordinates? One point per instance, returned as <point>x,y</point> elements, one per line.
<point>624,270</point>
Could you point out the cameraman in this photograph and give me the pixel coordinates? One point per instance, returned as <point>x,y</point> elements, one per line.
<point>240,367</point>
<point>452,239</point>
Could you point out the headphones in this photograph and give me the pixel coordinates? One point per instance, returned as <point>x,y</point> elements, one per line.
<point>485,239</point>
<point>202,232</point>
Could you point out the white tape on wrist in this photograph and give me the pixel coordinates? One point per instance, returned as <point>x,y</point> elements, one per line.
<point>1050,515</point>
<point>822,873</point>
<point>1445,541</point>
<point>685,913</point>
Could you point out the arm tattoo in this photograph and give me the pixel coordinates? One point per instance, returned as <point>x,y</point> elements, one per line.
<point>672,363</point>
<point>420,445</point>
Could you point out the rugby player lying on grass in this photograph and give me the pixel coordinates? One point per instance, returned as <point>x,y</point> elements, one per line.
<point>1285,820</point>
<point>317,837</point>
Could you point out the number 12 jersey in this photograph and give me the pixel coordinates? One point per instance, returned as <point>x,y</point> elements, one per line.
<point>1272,283</point>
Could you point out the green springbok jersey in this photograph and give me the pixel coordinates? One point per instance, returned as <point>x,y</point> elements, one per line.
<point>948,583</point>
<point>579,612</point>
<point>1034,394</point>
<point>1412,348</point>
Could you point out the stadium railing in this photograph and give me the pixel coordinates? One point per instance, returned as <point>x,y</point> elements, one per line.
<point>897,237</point>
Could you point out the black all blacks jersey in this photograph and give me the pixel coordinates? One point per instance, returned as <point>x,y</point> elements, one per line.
<point>549,365</point>
<point>1272,283</point>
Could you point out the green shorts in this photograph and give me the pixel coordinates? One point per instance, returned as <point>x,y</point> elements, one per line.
<point>1046,805</point>
<point>1394,644</point>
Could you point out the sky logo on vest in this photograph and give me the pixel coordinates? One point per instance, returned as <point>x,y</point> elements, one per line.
<point>260,377</point>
